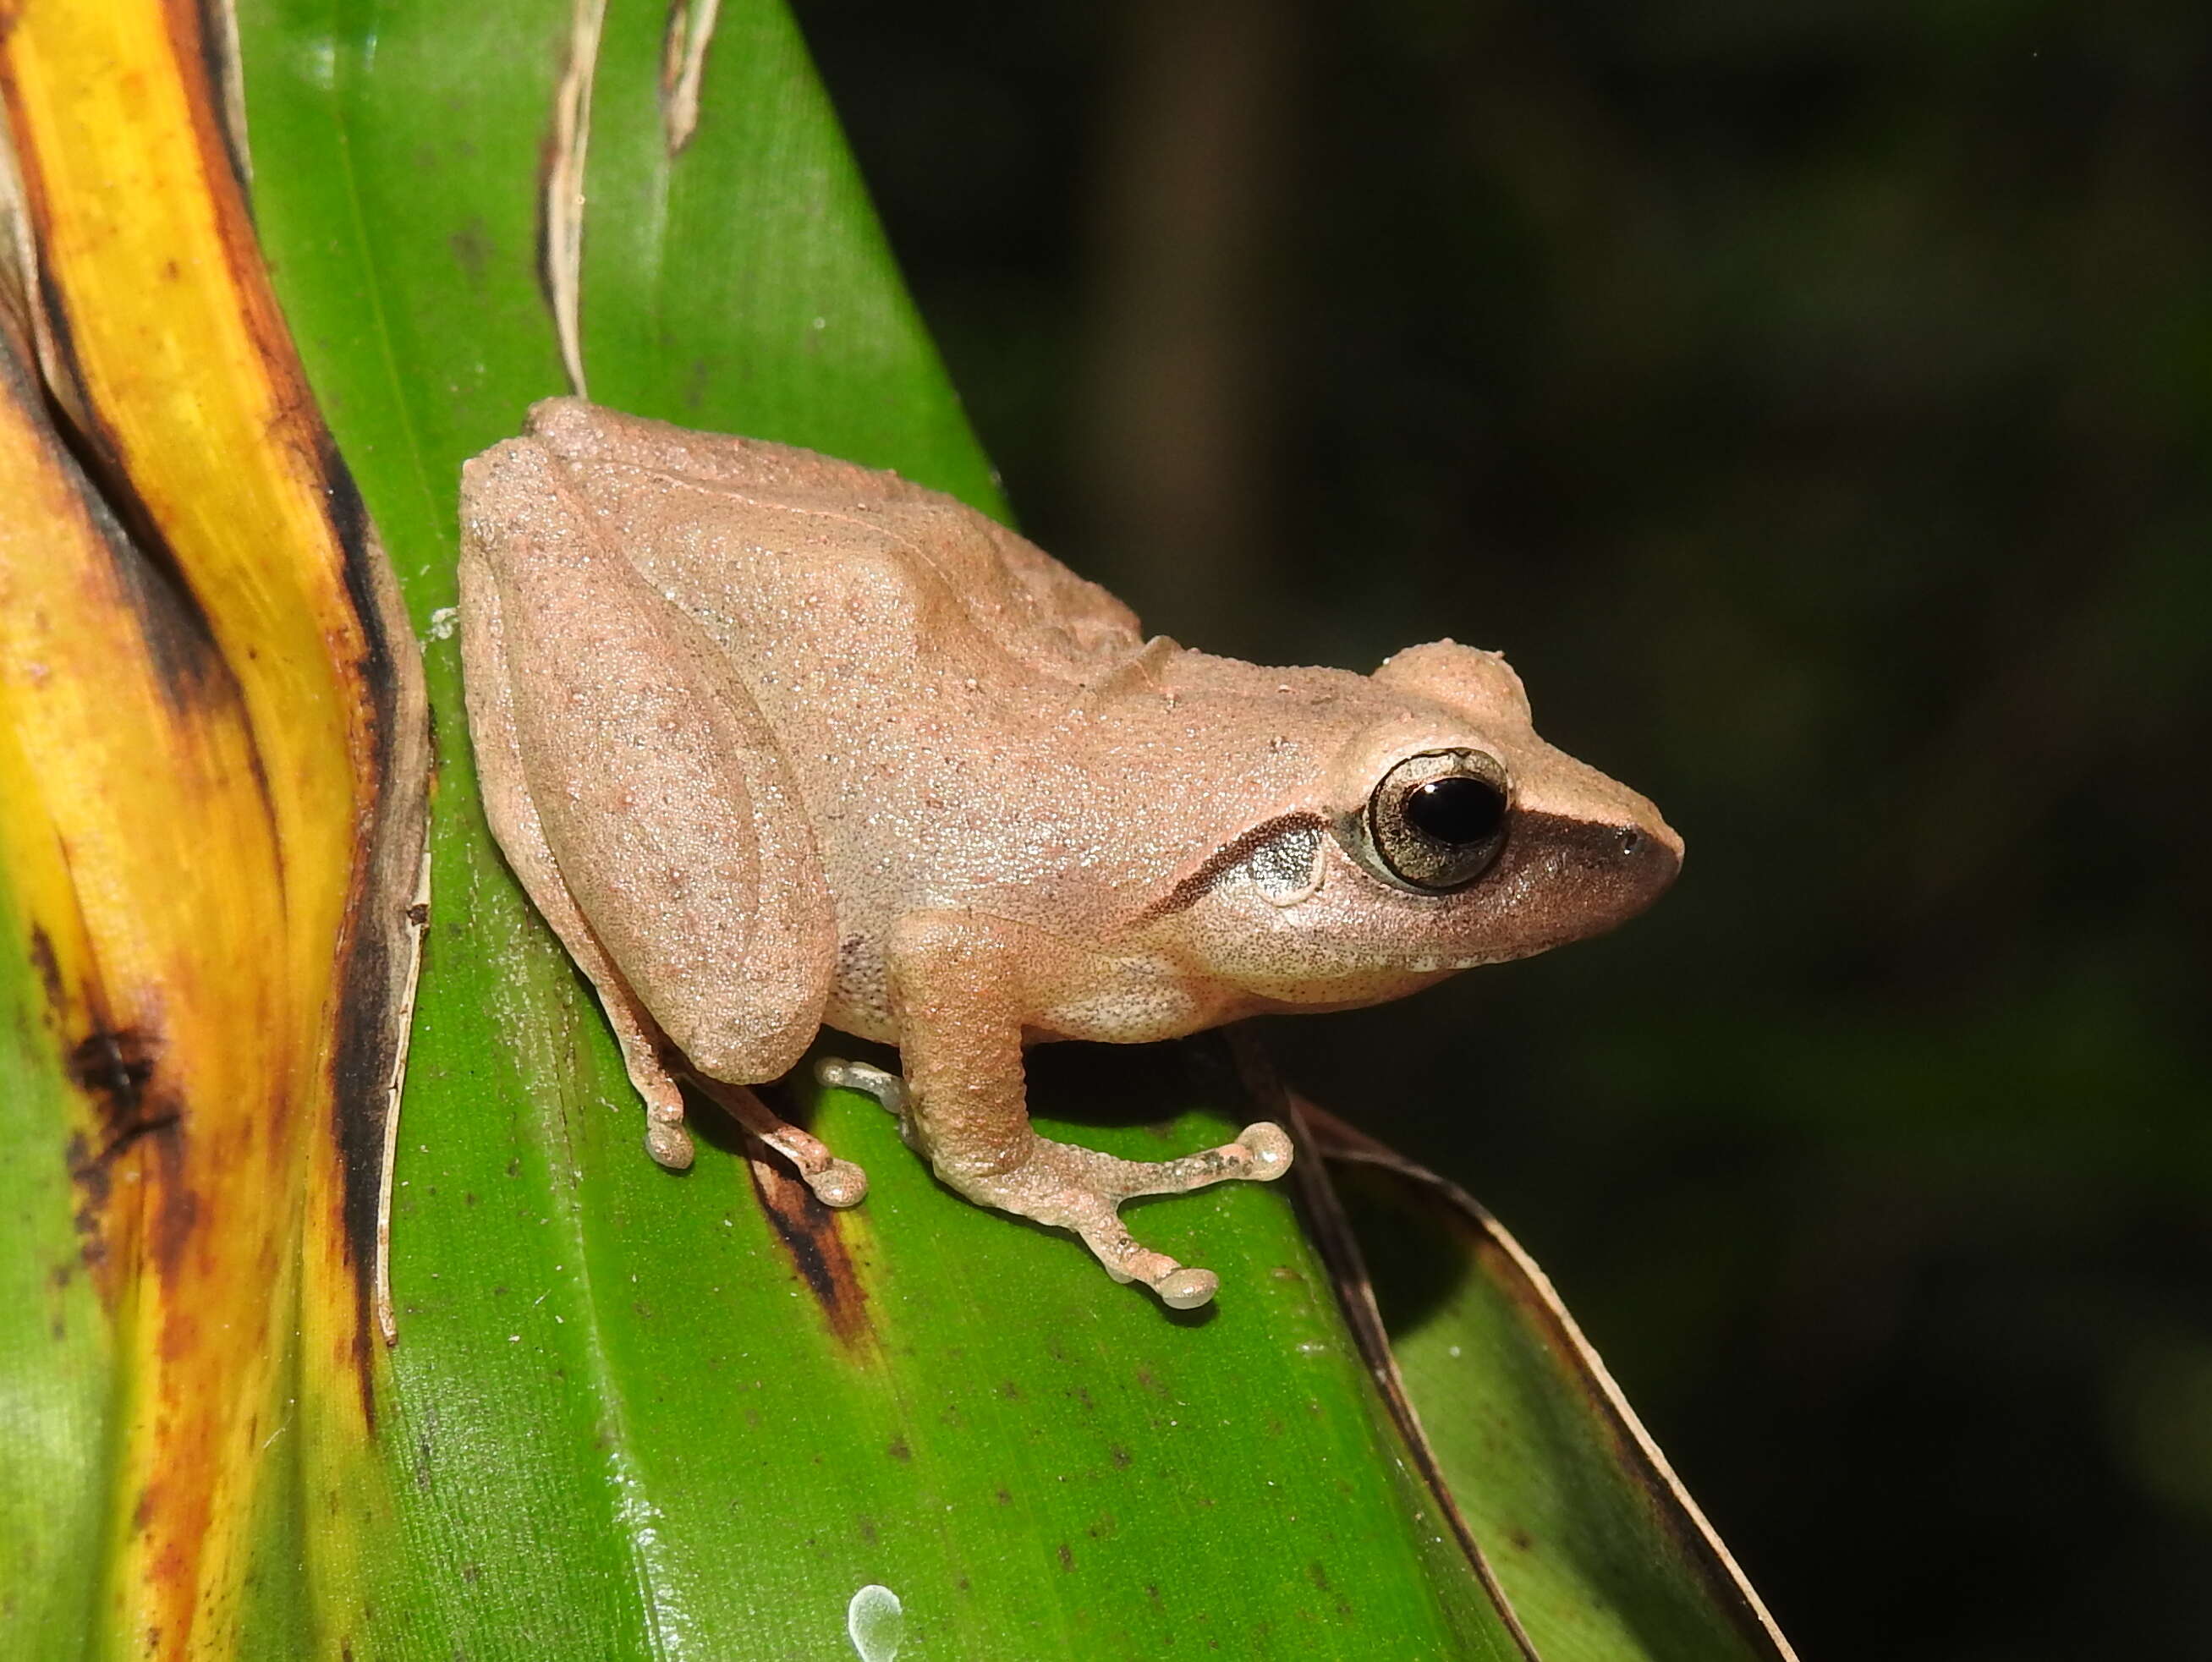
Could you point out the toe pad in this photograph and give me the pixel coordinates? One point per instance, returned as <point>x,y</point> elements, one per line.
<point>1187,1289</point>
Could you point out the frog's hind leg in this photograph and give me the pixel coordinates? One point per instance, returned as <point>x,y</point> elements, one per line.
<point>641,797</point>
<point>835,1182</point>
<point>521,838</point>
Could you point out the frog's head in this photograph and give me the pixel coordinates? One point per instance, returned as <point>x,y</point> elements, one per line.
<point>1442,834</point>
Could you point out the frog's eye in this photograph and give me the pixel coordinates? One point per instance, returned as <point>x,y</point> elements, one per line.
<point>1437,820</point>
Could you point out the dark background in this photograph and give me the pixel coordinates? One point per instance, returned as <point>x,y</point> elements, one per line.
<point>1812,400</point>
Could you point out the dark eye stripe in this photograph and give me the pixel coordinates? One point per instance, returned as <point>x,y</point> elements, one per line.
<point>1189,890</point>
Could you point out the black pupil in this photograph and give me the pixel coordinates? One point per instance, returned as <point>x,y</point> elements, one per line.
<point>1458,809</point>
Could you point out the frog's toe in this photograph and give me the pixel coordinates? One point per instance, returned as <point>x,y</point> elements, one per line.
<point>668,1143</point>
<point>840,1184</point>
<point>1122,1258</point>
<point>1261,1153</point>
<point>1187,1289</point>
<point>1267,1150</point>
<point>834,1182</point>
<point>886,1088</point>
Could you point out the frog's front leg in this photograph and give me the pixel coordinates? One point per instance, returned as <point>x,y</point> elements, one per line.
<point>961,983</point>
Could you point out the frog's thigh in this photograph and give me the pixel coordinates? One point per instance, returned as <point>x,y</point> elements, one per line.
<point>515,822</point>
<point>664,801</point>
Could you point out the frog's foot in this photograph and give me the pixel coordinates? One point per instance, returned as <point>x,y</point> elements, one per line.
<point>1082,1190</point>
<point>890,1090</point>
<point>835,1182</point>
<point>666,1139</point>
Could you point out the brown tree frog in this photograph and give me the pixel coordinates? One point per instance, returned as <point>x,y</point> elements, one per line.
<point>774,740</point>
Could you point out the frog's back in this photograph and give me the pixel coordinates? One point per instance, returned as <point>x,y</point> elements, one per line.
<point>970,722</point>
<point>798,564</point>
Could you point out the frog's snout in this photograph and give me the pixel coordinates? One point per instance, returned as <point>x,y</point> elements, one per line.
<point>1649,857</point>
<point>1563,878</point>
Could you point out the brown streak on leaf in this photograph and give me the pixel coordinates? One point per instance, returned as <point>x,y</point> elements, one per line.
<point>384,910</point>
<point>113,1066</point>
<point>808,1231</point>
<point>176,1215</point>
<point>49,970</point>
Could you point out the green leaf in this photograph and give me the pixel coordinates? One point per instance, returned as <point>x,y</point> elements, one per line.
<point>1592,1538</point>
<point>634,1413</point>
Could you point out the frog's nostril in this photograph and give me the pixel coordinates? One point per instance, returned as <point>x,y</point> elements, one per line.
<point>1631,840</point>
